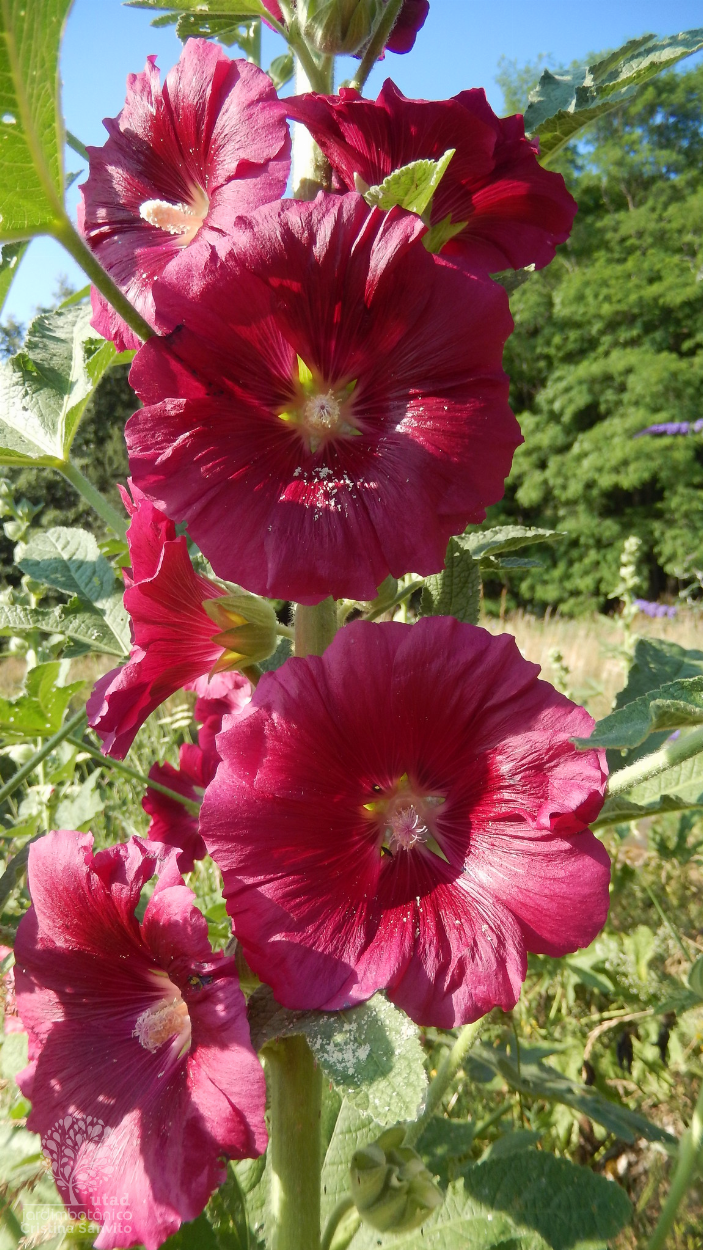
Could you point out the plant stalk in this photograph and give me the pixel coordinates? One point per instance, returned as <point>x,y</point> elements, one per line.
<point>311,169</point>
<point>689,1157</point>
<point>98,503</point>
<point>342,1208</point>
<point>50,745</point>
<point>295,1099</point>
<point>652,765</point>
<point>66,234</point>
<point>108,762</point>
<point>377,42</point>
<point>446,1072</point>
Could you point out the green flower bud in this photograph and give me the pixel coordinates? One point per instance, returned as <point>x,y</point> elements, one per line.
<point>248,629</point>
<point>391,1187</point>
<point>334,26</point>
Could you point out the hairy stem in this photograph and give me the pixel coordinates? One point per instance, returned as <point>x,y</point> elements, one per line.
<point>311,169</point>
<point>108,762</point>
<point>295,1095</point>
<point>50,745</point>
<point>377,42</point>
<point>66,234</point>
<point>98,502</point>
<point>315,627</point>
<point>690,1148</point>
<point>446,1072</point>
<point>652,765</point>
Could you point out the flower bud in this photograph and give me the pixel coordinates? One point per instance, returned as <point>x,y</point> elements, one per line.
<point>334,26</point>
<point>391,1187</point>
<point>248,629</point>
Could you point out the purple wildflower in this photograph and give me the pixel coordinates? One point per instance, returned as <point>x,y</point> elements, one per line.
<point>655,609</point>
<point>673,427</point>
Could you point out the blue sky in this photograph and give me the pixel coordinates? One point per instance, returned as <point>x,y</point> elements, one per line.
<point>459,47</point>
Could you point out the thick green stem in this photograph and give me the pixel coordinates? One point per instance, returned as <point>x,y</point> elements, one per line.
<point>295,1099</point>
<point>315,627</point>
<point>105,510</point>
<point>312,171</point>
<point>689,1157</point>
<point>652,765</point>
<point>405,593</point>
<point>446,1072</point>
<point>49,746</point>
<point>66,234</point>
<point>118,766</point>
<point>377,42</point>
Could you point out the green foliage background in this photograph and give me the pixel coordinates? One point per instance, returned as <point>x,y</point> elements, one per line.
<point>608,340</point>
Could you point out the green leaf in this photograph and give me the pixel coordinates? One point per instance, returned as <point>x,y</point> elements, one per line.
<point>69,560</point>
<point>217,8</point>
<point>410,187</point>
<point>684,781</point>
<point>441,232</point>
<point>84,623</point>
<point>677,705</point>
<point>279,657</point>
<point>461,1223</point>
<point>455,591</point>
<point>562,104</point>
<point>31,129</point>
<point>39,711</point>
<point>353,1129</point>
<point>281,69</point>
<point>227,1214</point>
<point>44,389</point>
<point>485,545</point>
<point>79,809</point>
<point>569,1206</point>
<point>10,257</point>
<point>511,1143</point>
<point>655,663</point>
<point>371,1053</point>
<point>444,1144</point>
<point>618,810</point>
<point>538,1080</point>
<point>197,1234</point>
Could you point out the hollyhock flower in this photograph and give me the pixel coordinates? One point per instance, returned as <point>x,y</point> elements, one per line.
<point>408,812</point>
<point>225,695</point>
<point>180,625</point>
<point>332,407</point>
<point>410,20</point>
<point>512,211</point>
<point>139,1031</point>
<point>182,161</point>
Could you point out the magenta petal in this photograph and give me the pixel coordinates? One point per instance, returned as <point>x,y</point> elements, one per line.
<point>142,1063</point>
<point>336,775</point>
<point>171,823</point>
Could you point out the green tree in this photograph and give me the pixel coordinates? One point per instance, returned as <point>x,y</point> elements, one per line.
<point>609,340</point>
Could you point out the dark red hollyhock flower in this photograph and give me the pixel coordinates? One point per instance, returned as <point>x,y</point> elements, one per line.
<point>410,20</point>
<point>138,1037</point>
<point>175,640</point>
<point>515,212</point>
<point>171,822</point>
<point>332,407</point>
<point>182,161</point>
<point>407,813</point>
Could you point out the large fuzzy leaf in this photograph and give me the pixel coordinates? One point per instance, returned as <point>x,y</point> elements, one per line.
<point>44,389</point>
<point>677,705</point>
<point>563,103</point>
<point>31,129</point>
<point>456,590</point>
<point>69,560</point>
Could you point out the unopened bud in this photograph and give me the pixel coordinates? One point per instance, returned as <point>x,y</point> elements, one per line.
<point>334,26</point>
<point>392,1189</point>
<point>248,629</point>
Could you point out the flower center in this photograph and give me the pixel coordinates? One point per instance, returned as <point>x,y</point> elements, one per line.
<point>406,819</point>
<point>164,1021</point>
<point>183,220</point>
<point>318,411</point>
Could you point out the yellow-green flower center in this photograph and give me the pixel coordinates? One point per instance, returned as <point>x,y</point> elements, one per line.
<point>405,818</point>
<point>318,411</point>
<point>165,1020</point>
